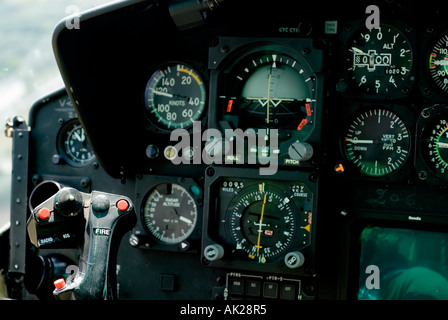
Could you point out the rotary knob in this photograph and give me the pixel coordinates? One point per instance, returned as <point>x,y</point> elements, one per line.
<point>68,202</point>
<point>301,151</point>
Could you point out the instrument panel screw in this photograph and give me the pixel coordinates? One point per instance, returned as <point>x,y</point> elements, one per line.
<point>134,240</point>
<point>224,49</point>
<point>313,177</point>
<point>422,175</point>
<point>210,172</point>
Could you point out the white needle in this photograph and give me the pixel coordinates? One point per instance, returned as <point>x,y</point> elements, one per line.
<point>78,137</point>
<point>357,50</point>
<point>160,93</point>
<point>359,141</point>
<point>442,144</point>
<point>186,220</point>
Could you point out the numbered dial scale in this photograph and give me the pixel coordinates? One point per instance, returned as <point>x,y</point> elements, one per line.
<point>376,142</point>
<point>170,213</point>
<point>379,62</point>
<point>175,96</point>
<point>434,140</point>
<point>74,145</point>
<point>438,64</point>
<point>269,89</point>
<point>263,221</point>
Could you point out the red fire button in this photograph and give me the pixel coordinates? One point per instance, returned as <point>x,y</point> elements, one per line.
<point>59,284</point>
<point>43,214</point>
<point>122,205</point>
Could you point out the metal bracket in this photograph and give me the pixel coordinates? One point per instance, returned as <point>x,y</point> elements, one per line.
<point>19,131</point>
<point>192,13</point>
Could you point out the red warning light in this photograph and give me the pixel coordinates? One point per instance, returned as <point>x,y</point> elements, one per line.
<point>308,109</point>
<point>229,106</point>
<point>302,124</point>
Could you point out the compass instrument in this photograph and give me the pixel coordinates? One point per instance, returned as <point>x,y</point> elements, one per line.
<point>263,221</point>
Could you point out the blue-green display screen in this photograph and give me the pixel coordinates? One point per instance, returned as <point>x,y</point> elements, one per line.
<point>403,264</point>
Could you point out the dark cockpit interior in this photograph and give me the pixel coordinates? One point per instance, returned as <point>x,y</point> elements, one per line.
<point>236,150</point>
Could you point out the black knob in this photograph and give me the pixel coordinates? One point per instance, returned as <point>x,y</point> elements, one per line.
<point>68,202</point>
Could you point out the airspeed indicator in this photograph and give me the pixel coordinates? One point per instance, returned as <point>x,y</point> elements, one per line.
<point>438,64</point>
<point>175,96</point>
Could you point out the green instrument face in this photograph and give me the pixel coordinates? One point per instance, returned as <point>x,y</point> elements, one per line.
<point>434,146</point>
<point>175,96</point>
<point>438,63</point>
<point>376,142</point>
<point>269,90</point>
<point>379,61</point>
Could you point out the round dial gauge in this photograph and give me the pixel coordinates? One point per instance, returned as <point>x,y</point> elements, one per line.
<point>269,90</point>
<point>74,144</point>
<point>377,142</point>
<point>379,61</point>
<point>435,146</point>
<point>170,213</point>
<point>438,63</point>
<point>175,96</point>
<point>263,222</point>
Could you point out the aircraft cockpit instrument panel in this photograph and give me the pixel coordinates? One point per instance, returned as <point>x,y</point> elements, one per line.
<point>245,149</point>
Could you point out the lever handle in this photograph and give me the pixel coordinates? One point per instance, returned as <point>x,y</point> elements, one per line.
<point>105,211</point>
<point>101,211</point>
<point>91,280</point>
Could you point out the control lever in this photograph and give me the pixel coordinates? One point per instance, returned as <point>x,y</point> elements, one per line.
<point>101,212</point>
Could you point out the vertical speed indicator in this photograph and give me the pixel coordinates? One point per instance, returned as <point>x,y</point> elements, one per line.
<point>376,142</point>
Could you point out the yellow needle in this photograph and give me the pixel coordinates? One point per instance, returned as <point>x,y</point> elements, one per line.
<point>269,92</point>
<point>261,221</point>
